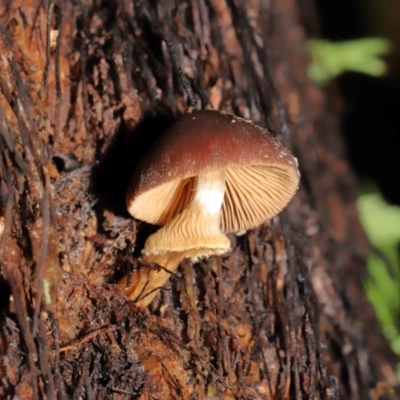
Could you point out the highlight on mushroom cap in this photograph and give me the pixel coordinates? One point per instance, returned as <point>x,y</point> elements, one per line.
<point>261,175</point>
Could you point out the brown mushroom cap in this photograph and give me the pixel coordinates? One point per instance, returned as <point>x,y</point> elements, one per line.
<point>261,174</point>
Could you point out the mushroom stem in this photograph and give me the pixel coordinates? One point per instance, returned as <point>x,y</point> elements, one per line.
<point>196,230</point>
<point>193,233</point>
<point>145,283</point>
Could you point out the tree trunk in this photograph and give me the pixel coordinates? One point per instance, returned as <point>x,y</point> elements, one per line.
<point>282,316</point>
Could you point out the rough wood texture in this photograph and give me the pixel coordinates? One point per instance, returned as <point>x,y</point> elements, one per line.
<point>282,317</point>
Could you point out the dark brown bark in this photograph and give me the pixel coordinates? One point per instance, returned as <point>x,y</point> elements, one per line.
<point>283,316</point>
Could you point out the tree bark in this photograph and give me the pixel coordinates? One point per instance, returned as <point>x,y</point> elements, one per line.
<point>283,316</point>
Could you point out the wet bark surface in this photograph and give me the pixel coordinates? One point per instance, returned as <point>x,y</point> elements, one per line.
<point>283,316</point>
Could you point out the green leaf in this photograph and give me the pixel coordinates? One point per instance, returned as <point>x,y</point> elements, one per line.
<point>330,59</point>
<point>381,220</point>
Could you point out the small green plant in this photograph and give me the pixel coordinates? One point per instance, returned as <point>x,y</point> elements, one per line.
<point>381,222</point>
<point>330,59</point>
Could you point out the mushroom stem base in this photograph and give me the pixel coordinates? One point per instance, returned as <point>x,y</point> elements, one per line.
<point>143,285</point>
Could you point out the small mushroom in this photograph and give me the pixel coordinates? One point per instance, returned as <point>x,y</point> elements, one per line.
<point>210,172</point>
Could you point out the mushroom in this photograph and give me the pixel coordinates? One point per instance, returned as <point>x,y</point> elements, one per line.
<point>210,172</point>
